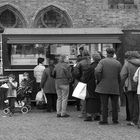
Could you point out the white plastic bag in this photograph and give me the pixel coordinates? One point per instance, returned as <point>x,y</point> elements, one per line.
<point>80,91</point>
<point>4,86</point>
<point>40,97</point>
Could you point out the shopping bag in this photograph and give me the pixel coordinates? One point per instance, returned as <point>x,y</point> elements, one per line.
<point>80,91</point>
<point>39,96</point>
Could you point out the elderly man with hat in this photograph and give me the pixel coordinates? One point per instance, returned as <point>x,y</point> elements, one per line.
<point>108,73</point>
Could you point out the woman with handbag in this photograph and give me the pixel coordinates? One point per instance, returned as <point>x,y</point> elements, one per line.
<point>48,86</point>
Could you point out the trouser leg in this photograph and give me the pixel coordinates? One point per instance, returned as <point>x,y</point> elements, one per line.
<point>133,106</point>
<point>104,106</point>
<point>83,107</point>
<point>65,94</point>
<point>78,104</point>
<point>127,109</point>
<point>54,98</point>
<point>136,109</point>
<point>139,111</point>
<point>114,102</point>
<point>130,104</point>
<point>12,104</point>
<point>59,99</point>
<point>49,101</point>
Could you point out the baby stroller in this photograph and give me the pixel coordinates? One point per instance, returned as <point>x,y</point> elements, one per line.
<point>23,100</point>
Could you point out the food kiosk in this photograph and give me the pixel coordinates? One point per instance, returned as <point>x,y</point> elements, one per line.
<point>22,46</point>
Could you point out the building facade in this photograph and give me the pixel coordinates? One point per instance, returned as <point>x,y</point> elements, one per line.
<point>65,14</point>
<point>124,14</point>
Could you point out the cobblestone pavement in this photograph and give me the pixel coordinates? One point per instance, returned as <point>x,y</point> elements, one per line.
<point>39,125</point>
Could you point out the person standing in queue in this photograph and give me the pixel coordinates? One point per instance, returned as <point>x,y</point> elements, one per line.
<point>62,76</point>
<point>83,67</point>
<point>130,66</point>
<point>48,86</point>
<point>108,73</point>
<point>38,71</point>
<point>93,102</point>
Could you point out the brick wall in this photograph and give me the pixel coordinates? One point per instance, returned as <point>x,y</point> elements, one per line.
<point>84,13</point>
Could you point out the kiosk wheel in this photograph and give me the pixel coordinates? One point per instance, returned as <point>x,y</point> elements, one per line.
<point>24,110</point>
<point>6,111</point>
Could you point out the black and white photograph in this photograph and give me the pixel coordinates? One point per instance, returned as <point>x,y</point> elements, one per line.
<point>69,69</point>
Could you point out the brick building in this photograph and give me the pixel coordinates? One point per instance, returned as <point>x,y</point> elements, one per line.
<point>80,13</point>
<point>114,23</point>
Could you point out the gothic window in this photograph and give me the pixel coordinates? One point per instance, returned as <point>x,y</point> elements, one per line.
<point>122,4</point>
<point>8,19</point>
<point>52,17</point>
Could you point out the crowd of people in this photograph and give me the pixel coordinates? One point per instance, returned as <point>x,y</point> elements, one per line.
<point>106,80</point>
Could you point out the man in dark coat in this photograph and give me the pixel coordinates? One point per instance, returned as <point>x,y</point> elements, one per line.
<point>108,72</point>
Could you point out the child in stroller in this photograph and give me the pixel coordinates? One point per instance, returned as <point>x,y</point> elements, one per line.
<point>23,99</point>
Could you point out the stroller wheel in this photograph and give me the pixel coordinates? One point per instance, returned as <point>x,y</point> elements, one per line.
<point>6,111</point>
<point>29,107</point>
<point>24,110</point>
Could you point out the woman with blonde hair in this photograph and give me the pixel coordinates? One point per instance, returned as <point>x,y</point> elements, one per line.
<point>62,76</point>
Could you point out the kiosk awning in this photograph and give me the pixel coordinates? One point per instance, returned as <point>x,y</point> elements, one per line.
<point>62,35</point>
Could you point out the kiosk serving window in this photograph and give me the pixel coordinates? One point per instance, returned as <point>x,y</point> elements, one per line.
<point>27,54</point>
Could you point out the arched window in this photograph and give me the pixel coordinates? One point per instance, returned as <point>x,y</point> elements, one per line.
<point>52,17</point>
<point>10,17</point>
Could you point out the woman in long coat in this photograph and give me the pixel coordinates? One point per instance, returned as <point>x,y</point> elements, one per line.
<point>93,98</point>
<point>48,86</point>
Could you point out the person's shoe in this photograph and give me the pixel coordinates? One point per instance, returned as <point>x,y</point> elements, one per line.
<point>131,124</point>
<point>97,118</point>
<point>58,115</point>
<point>82,116</point>
<point>89,119</point>
<point>115,122</point>
<point>65,116</point>
<point>103,123</point>
<point>4,116</point>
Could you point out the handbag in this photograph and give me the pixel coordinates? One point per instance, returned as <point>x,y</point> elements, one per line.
<point>80,91</point>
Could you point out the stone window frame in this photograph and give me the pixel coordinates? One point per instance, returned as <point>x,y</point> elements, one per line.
<point>55,10</point>
<point>17,12</point>
<point>39,15</point>
<point>14,25</point>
